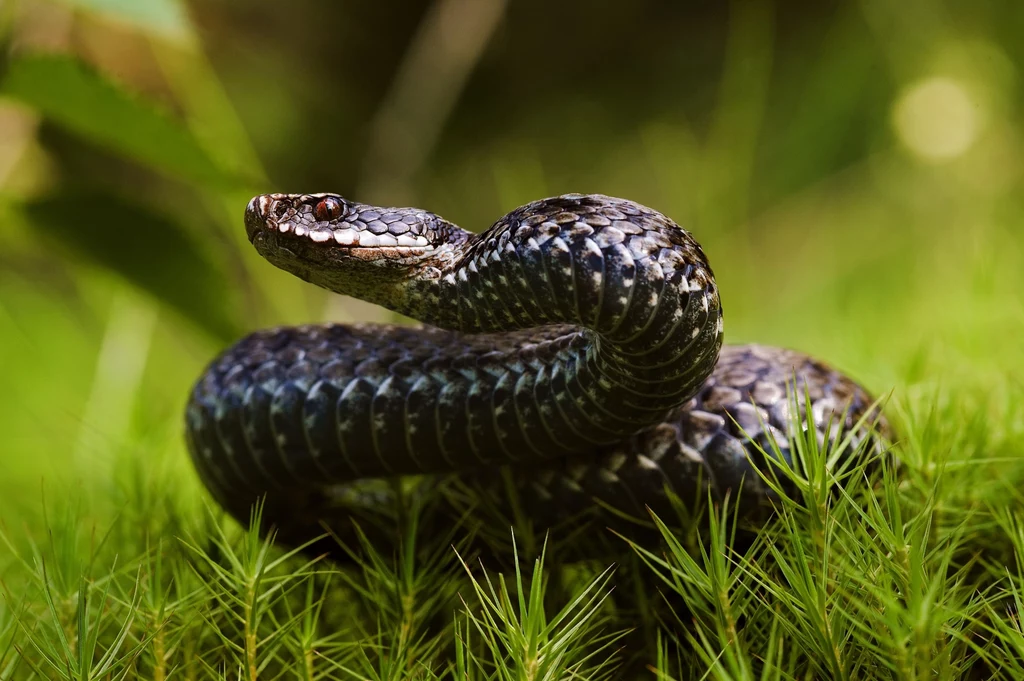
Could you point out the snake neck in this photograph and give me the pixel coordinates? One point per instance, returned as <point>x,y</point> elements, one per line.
<point>632,292</point>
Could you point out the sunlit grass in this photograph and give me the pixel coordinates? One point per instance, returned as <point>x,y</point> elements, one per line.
<point>896,564</point>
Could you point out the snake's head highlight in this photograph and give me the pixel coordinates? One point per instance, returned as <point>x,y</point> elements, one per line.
<point>348,247</point>
<point>330,227</point>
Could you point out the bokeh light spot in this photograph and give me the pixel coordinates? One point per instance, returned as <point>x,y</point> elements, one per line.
<point>936,118</point>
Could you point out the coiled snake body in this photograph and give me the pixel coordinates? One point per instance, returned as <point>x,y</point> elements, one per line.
<point>577,343</point>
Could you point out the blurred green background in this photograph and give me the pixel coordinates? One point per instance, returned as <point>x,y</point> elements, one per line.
<point>853,169</point>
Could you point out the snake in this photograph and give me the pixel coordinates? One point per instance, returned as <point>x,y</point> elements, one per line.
<point>569,364</point>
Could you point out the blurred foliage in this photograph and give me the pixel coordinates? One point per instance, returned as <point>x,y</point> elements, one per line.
<point>853,169</point>
<point>108,116</point>
<point>143,247</point>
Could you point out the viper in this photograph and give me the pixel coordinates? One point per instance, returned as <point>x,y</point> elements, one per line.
<point>570,364</point>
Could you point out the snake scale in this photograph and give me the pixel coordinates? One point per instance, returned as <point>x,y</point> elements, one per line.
<point>572,361</point>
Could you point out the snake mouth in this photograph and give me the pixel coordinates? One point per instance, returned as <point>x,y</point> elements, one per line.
<point>296,253</point>
<point>348,238</point>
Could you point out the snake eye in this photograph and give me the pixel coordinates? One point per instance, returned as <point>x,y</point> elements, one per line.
<point>327,209</point>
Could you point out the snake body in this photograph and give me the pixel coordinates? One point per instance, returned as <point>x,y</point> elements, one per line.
<point>577,344</point>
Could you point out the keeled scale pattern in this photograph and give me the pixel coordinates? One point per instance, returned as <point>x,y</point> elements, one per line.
<point>590,407</point>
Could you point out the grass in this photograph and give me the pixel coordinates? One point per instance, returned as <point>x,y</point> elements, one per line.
<point>872,568</point>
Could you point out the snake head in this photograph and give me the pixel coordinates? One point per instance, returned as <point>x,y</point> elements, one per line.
<point>331,224</point>
<point>348,247</point>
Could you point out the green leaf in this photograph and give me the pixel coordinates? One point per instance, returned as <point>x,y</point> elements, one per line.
<point>82,100</point>
<point>144,247</point>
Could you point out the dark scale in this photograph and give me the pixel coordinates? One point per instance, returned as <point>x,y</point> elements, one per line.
<point>572,367</point>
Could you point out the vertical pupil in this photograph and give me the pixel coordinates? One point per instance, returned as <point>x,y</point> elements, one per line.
<point>327,209</point>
